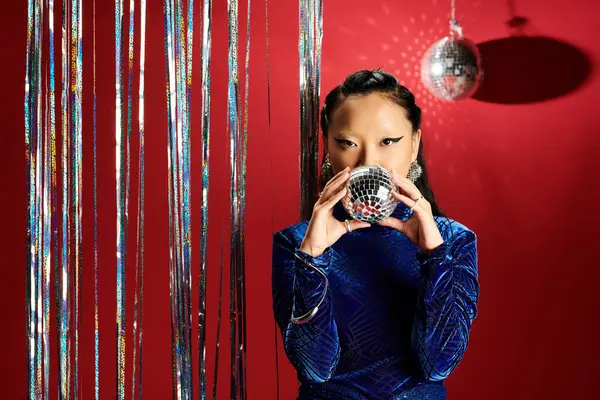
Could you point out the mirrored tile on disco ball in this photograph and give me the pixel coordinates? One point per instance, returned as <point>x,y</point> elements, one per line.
<point>369,197</point>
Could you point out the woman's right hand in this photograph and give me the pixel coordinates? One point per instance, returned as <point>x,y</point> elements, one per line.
<point>324,229</point>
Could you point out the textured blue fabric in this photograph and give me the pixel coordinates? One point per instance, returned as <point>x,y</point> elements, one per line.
<point>395,321</point>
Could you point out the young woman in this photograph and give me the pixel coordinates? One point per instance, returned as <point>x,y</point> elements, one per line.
<point>375,311</point>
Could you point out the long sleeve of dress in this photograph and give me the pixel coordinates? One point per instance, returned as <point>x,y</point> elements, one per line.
<point>447,305</point>
<point>312,347</point>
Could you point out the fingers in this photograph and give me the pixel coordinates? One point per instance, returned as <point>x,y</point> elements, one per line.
<point>350,225</point>
<point>329,203</point>
<point>356,224</point>
<point>333,185</point>
<point>410,193</point>
<point>336,177</point>
<point>392,222</point>
<point>417,207</point>
<point>406,186</point>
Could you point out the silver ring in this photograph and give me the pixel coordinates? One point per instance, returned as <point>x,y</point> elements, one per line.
<point>416,202</point>
<point>347,225</point>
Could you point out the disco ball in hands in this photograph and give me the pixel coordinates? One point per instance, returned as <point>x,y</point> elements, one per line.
<point>451,68</point>
<point>369,195</point>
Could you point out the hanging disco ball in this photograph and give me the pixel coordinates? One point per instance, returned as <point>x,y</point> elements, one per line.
<point>369,196</point>
<point>451,68</point>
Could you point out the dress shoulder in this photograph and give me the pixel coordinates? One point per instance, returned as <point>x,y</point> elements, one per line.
<point>294,234</point>
<point>451,229</point>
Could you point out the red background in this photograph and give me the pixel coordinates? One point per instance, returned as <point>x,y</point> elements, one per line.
<point>522,176</point>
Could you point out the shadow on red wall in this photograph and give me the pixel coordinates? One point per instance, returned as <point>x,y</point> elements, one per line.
<point>523,69</point>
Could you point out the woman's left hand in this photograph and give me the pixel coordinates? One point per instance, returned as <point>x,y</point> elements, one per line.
<point>421,227</point>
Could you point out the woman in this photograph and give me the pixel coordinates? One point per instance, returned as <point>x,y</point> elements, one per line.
<point>382,311</point>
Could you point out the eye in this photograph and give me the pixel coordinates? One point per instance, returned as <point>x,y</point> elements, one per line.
<point>345,143</point>
<point>391,141</point>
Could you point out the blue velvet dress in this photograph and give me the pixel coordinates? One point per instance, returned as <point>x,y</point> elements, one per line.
<point>394,322</point>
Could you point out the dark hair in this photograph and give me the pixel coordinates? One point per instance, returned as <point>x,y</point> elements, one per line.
<point>377,81</point>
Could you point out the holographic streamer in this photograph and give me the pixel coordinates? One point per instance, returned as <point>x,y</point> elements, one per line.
<point>63,282</point>
<point>46,242</point>
<point>39,215</point>
<point>49,194</point>
<point>302,49</point>
<point>30,168</point>
<point>178,149</point>
<point>186,92</point>
<point>241,270</point>
<point>31,157</point>
<point>177,62</point>
<point>130,53</point>
<point>237,188</point>
<point>127,168</point>
<point>233,129</point>
<point>178,189</point>
<point>310,21</point>
<point>77,158</point>
<point>187,193</point>
<point>39,200</point>
<point>218,342</point>
<point>317,69</point>
<point>206,61</point>
<point>29,297</point>
<point>184,57</point>
<point>172,250</point>
<point>53,195</point>
<point>31,108</point>
<point>121,210</point>
<point>139,275</point>
<point>96,311</point>
<point>174,197</point>
<point>39,139</point>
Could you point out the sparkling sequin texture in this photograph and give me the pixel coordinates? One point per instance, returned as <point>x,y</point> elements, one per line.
<point>395,321</point>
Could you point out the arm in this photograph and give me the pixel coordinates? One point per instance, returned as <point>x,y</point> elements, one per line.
<point>312,347</point>
<point>447,305</point>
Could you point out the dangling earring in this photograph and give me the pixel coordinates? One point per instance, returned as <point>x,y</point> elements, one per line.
<point>326,170</point>
<point>414,172</point>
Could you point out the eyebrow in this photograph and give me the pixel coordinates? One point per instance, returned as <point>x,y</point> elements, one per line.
<point>385,137</point>
<point>348,132</point>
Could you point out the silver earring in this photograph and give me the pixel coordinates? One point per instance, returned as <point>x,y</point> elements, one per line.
<point>414,172</point>
<point>326,169</point>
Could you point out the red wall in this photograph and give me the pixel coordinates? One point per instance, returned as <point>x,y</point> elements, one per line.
<point>522,176</point>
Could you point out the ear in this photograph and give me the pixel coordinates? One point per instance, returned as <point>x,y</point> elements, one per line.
<point>416,141</point>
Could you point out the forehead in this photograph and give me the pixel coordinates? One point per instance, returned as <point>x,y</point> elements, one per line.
<point>370,112</point>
